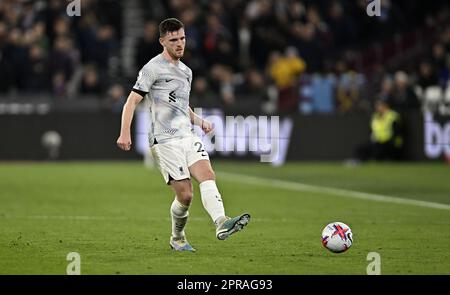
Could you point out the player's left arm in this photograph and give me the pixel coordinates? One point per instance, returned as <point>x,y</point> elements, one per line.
<point>202,123</point>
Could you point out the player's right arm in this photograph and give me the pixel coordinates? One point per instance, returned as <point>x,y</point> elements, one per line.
<point>124,140</point>
<point>144,81</point>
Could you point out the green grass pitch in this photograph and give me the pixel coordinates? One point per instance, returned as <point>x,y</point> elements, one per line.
<point>116,216</point>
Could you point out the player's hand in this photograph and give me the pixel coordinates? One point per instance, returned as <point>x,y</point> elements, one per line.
<point>124,142</point>
<point>207,126</point>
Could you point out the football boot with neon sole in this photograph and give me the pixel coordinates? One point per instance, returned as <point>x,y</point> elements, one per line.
<point>180,244</point>
<point>231,226</point>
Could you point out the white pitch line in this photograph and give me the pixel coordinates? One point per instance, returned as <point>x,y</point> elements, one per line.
<point>296,186</point>
<point>196,219</point>
<point>115,218</point>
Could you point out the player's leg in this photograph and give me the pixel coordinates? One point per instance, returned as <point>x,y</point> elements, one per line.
<point>179,212</point>
<point>180,206</point>
<point>171,161</point>
<point>202,171</point>
<point>211,198</point>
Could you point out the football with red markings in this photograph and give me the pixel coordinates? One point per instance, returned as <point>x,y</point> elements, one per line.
<point>337,237</point>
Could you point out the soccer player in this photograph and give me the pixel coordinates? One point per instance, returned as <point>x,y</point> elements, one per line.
<point>166,82</point>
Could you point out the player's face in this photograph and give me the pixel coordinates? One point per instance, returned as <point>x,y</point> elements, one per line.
<point>174,43</point>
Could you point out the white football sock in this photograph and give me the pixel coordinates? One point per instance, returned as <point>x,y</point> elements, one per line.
<point>179,213</point>
<point>212,200</point>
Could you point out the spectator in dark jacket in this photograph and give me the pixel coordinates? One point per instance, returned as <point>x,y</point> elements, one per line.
<point>403,96</point>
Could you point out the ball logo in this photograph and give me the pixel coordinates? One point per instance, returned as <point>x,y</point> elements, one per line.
<point>374,8</point>
<point>337,237</point>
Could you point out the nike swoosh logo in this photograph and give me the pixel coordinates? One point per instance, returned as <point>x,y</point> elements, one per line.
<point>204,155</point>
<point>168,80</point>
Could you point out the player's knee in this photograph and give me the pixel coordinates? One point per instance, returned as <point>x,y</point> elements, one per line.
<point>185,197</point>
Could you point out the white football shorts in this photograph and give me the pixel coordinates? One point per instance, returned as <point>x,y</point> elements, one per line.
<point>174,157</point>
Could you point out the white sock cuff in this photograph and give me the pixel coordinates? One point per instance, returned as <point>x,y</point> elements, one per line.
<point>180,205</point>
<point>208,185</point>
<point>178,209</point>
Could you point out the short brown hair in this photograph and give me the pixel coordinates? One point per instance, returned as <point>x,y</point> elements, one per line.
<point>169,25</point>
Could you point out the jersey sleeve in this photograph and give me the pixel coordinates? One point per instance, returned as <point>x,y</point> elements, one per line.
<point>145,80</point>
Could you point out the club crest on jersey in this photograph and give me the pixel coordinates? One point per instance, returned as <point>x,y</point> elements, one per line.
<point>172,97</point>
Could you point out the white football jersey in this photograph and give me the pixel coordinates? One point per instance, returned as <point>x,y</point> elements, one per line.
<point>167,87</point>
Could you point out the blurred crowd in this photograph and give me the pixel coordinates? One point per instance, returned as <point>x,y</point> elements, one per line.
<point>43,51</point>
<point>263,55</point>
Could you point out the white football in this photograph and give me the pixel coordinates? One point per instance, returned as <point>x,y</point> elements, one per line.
<point>337,237</point>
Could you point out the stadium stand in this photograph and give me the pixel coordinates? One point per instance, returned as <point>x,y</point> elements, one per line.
<point>344,56</point>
